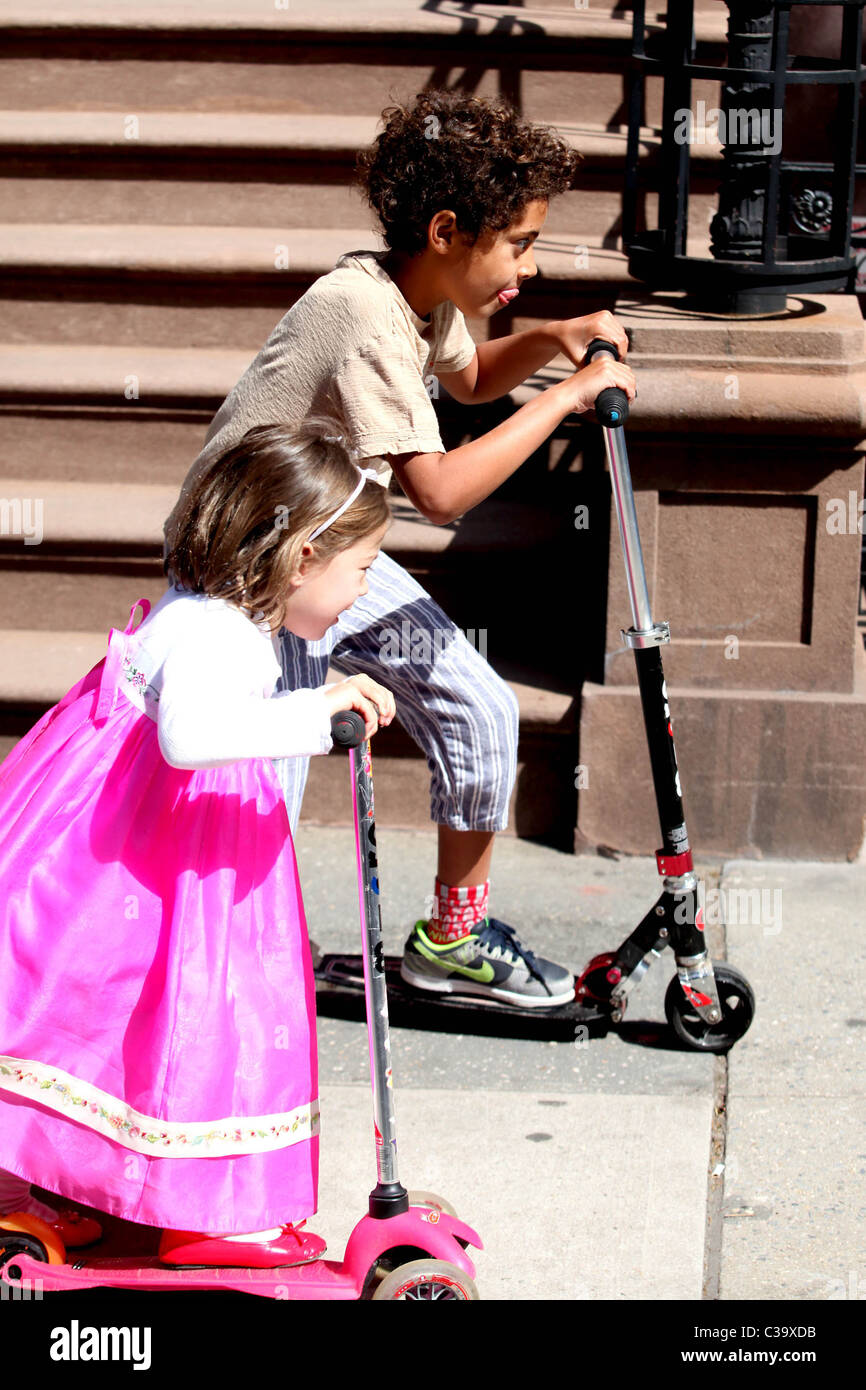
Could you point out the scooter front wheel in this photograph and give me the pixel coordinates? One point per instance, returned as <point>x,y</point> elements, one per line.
<point>738,1009</point>
<point>425,1280</point>
<point>431,1200</point>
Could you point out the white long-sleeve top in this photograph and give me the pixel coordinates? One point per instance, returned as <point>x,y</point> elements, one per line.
<point>206,673</point>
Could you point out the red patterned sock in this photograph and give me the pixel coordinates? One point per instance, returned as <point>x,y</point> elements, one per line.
<point>457,911</point>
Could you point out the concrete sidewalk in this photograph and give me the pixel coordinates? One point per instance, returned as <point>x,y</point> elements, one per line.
<point>621,1167</point>
<point>795,1179</point>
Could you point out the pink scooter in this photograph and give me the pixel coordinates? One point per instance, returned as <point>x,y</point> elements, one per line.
<point>408,1246</point>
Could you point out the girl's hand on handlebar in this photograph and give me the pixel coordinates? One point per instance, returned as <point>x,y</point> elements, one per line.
<point>583,389</point>
<point>372,701</point>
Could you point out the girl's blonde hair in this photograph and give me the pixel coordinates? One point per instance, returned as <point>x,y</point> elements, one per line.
<point>249,514</point>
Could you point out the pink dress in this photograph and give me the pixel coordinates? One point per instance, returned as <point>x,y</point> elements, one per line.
<point>157,1002</point>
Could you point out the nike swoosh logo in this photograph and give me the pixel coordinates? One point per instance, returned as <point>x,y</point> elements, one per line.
<point>482,973</point>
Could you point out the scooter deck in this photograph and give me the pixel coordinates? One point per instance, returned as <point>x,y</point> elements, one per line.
<point>316,1279</point>
<point>340,994</point>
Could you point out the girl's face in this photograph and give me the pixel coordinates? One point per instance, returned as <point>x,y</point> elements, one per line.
<point>320,593</point>
<point>487,276</point>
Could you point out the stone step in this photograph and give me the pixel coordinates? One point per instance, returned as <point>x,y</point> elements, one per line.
<point>67,548</point>
<point>270,254</point>
<point>198,380</point>
<point>59,517</point>
<point>202,287</point>
<point>335,57</point>
<point>39,666</point>
<point>120,414</point>
<point>624,7</point>
<point>285,170</point>
<point>132,441</point>
<point>73,475</point>
<point>83,517</point>
<point>115,443</point>
<point>108,375</point>
<point>55,135</point>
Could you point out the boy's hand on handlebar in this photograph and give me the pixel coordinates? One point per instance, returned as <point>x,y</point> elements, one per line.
<point>373,702</point>
<point>583,388</point>
<point>575,335</point>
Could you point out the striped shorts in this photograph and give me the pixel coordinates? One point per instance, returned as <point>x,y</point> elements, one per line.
<point>462,716</point>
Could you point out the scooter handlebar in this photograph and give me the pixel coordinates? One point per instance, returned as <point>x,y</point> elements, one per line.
<point>348,728</point>
<point>611,404</point>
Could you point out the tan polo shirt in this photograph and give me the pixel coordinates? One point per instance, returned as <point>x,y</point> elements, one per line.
<point>353,348</point>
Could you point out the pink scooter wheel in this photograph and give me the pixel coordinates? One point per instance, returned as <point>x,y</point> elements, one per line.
<point>425,1280</point>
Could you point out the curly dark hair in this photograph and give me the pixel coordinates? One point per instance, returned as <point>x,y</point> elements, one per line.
<point>479,158</point>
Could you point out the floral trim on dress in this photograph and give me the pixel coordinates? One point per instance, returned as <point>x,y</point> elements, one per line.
<point>139,682</point>
<point>231,1136</point>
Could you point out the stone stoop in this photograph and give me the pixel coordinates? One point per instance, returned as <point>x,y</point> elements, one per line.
<point>287,170</point>
<point>100,550</point>
<point>344,55</point>
<point>41,665</point>
<point>172,184</point>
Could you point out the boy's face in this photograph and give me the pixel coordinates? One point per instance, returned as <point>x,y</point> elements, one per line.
<point>487,276</point>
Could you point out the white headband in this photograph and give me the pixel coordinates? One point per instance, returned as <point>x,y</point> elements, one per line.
<point>366,473</point>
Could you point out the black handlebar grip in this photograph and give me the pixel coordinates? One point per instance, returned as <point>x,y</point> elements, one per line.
<point>348,729</point>
<point>611,404</point>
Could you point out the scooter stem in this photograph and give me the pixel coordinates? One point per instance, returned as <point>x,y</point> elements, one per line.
<point>389,1197</point>
<point>611,407</point>
<point>623,496</point>
<point>674,859</point>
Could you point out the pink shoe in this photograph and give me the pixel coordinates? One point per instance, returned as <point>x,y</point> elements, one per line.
<point>291,1247</point>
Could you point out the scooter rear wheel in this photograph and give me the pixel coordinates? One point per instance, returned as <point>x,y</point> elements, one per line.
<point>23,1234</point>
<point>13,1244</point>
<point>19,1243</point>
<point>738,1009</point>
<point>425,1280</point>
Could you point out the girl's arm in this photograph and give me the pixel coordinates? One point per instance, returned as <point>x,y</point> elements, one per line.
<point>444,486</point>
<point>209,711</point>
<point>198,729</point>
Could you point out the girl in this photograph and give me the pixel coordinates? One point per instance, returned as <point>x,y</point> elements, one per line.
<point>157,1004</point>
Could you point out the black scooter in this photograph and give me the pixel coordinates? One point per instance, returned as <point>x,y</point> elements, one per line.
<point>708,1005</point>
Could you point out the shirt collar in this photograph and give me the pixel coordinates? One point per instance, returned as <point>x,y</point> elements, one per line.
<point>371,262</point>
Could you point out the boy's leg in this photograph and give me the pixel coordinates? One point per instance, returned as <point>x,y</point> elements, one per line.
<point>459,712</point>
<point>465,720</point>
<point>464,855</point>
<point>305,664</point>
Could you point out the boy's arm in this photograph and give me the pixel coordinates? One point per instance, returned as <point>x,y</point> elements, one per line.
<point>503,363</point>
<point>444,486</point>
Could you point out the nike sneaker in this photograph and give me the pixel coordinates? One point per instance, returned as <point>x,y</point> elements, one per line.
<point>489,962</point>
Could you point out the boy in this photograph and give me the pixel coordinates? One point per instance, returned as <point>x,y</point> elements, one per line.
<point>461,187</point>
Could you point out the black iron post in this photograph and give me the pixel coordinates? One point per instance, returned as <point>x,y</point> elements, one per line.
<point>783,222</point>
